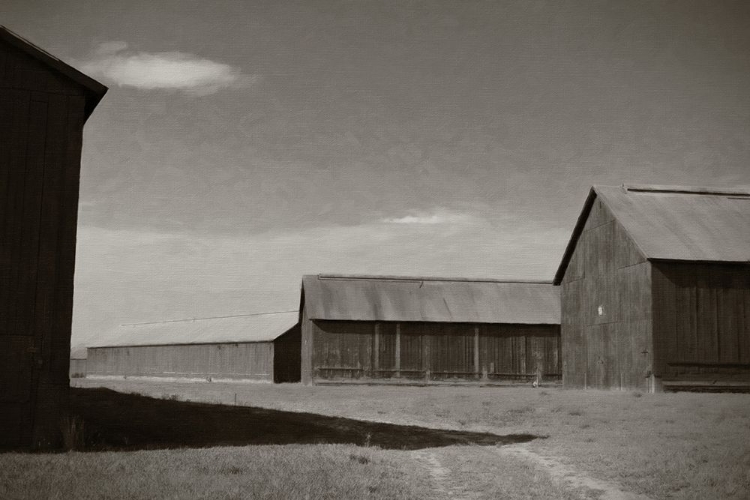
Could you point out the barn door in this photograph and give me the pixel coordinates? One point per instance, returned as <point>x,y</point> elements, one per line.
<point>603,370</point>
<point>22,129</point>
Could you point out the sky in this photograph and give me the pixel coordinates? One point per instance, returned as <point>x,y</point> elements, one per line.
<point>243,144</point>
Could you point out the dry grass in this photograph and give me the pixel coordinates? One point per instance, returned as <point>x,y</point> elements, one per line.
<point>664,445</point>
<point>268,472</point>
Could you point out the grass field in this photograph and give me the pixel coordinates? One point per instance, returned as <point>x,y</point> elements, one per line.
<point>590,445</point>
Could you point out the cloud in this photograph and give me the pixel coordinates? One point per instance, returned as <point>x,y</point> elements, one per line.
<point>177,71</point>
<point>437,216</point>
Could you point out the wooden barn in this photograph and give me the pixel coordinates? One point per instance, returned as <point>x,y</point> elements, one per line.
<point>44,104</point>
<point>258,347</point>
<point>425,330</point>
<point>656,290</point>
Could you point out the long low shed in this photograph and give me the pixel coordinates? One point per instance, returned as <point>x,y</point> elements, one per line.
<point>401,329</point>
<point>260,347</point>
<point>656,290</point>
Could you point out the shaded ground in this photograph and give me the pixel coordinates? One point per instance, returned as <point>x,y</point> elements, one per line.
<point>682,445</point>
<point>114,420</point>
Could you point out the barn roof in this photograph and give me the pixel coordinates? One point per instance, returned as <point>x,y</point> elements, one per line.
<point>394,298</point>
<point>94,90</point>
<point>264,327</point>
<point>675,222</point>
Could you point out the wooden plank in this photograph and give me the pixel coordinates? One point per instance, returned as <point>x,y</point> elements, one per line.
<point>398,350</point>
<point>745,337</point>
<point>49,272</point>
<point>598,216</point>
<point>306,368</point>
<point>426,354</point>
<point>576,266</point>
<point>573,340</point>
<point>14,262</point>
<point>477,368</point>
<point>68,223</point>
<point>626,252</point>
<point>729,307</point>
<point>376,348</point>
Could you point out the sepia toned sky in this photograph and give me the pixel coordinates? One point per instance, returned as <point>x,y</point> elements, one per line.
<point>244,143</point>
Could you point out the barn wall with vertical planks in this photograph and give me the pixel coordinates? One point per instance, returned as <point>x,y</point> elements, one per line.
<point>606,308</point>
<point>431,352</point>
<point>702,321</point>
<point>240,361</point>
<point>42,113</point>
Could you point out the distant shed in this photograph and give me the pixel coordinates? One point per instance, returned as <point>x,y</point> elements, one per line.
<point>259,347</point>
<point>396,329</point>
<point>656,289</point>
<point>44,104</point>
<point>78,363</point>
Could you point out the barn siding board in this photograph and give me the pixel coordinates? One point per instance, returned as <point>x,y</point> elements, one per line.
<point>626,252</point>
<point>577,267</point>
<point>30,258</point>
<point>239,361</point>
<point>307,330</point>
<point>606,311</point>
<point>573,340</point>
<point>434,351</point>
<point>700,321</point>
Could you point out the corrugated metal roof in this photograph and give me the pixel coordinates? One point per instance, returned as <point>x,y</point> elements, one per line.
<point>95,90</point>
<point>228,329</point>
<point>370,298</point>
<point>675,222</point>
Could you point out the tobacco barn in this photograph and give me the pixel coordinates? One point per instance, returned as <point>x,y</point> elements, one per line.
<point>424,330</point>
<point>44,104</point>
<point>656,290</point>
<point>257,347</point>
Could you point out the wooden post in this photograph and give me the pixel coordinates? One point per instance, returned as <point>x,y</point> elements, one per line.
<point>426,355</point>
<point>398,350</point>
<point>376,352</point>
<point>476,350</point>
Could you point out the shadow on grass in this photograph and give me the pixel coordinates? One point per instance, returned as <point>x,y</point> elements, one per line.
<point>117,421</point>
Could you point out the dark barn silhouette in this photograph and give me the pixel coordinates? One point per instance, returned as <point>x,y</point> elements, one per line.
<point>44,104</point>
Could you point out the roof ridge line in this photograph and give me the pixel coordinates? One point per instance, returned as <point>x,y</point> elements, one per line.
<point>696,190</point>
<point>364,277</point>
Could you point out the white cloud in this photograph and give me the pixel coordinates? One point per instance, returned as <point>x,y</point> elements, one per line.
<point>180,71</point>
<point>438,216</point>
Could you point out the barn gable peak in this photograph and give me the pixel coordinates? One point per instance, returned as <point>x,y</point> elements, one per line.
<point>675,223</point>
<point>93,90</point>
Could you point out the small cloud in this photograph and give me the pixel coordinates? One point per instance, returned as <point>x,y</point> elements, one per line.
<point>440,216</point>
<point>162,70</point>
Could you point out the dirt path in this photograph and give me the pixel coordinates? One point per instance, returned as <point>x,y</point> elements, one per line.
<point>513,471</point>
<point>443,479</point>
<point>568,476</point>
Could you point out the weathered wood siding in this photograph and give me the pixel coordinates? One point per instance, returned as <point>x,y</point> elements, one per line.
<point>249,361</point>
<point>606,309</point>
<point>520,352</point>
<point>306,347</point>
<point>351,350</point>
<point>41,124</point>
<point>702,321</point>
